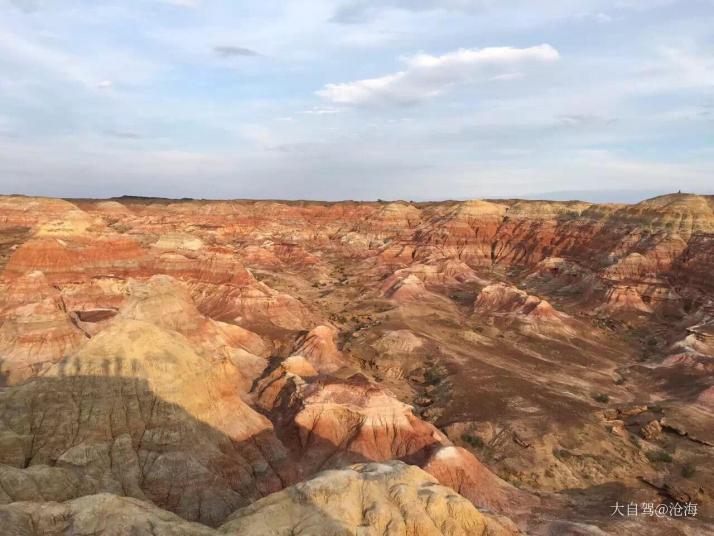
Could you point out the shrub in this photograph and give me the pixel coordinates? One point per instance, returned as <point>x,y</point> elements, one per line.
<point>659,456</point>
<point>474,441</point>
<point>602,398</point>
<point>562,454</point>
<point>688,470</point>
<point>432,376</point>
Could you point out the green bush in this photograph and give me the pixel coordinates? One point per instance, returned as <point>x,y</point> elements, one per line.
<point>602,398</point>
<point>474,441</point>
<point>659,456</point>
<point>688,470</point>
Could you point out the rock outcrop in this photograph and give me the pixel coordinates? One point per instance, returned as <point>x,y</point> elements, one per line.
<point>510,305</point>
<point>318,347</point>
<point>374,498</point>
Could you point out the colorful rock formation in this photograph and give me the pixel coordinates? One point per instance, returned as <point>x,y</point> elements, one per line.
<point>206,367</point>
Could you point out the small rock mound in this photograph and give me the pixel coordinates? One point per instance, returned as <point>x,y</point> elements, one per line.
<point>513,305</point>
<point>403,287</point>
<point>319,349</point>
<point>398,341</point>
<point>336,422</point>
<point>624,298</point>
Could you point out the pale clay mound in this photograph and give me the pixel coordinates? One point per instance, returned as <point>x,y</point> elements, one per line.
<point>373,499</point>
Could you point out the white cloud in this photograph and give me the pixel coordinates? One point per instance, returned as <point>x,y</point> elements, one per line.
<point>320,111</point>
<point>358,11</point>
<point>44,59</point>
<point>687,67</point>
<point>182,3</point>
<point>507,76</point>
<point>426,76</point>
<point>364,11</point>
<point>28,54</point>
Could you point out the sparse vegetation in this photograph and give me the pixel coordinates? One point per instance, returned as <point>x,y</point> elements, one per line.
<point>472,440</point>
<point>688,470</point>
<point>432,377</point>
<point>562,454</point>
<point>659,456</point>
<point>602,398</point>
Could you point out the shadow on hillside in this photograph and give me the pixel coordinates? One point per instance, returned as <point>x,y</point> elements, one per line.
<point>79,433</point>
<point>86,434</point>
<point>4,374</point>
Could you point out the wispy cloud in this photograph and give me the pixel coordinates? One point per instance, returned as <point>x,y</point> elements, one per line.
<point>27,6</point>
<point>123,134</point>
<point>364,11</point>
<point>36,58</point>
<point>357,11</point>
<point>230,51</point>
<point>426,76</point>
<point>28,54</point>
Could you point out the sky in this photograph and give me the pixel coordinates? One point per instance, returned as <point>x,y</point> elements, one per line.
<point>357,99</point>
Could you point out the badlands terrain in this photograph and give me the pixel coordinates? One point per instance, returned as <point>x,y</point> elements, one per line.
<point>271,368</point>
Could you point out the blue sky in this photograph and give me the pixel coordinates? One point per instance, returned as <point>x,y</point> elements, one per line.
<point>356,99</point>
